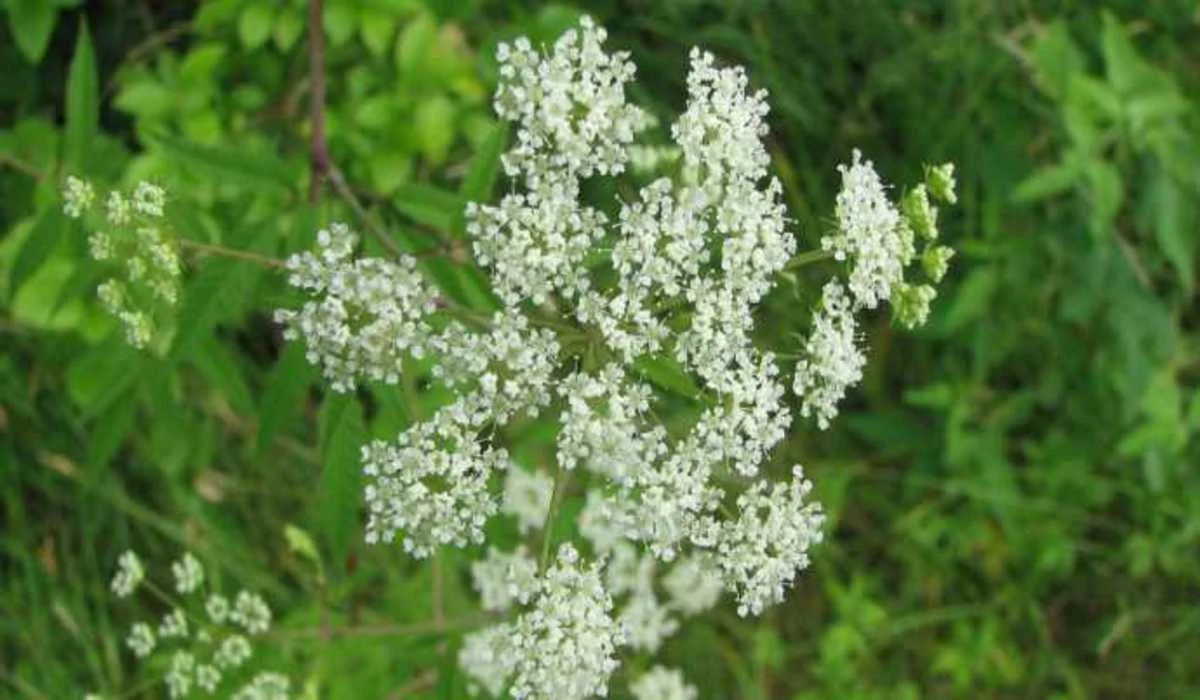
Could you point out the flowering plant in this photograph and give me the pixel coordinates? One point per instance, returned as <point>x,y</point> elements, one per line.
<point>606,311</point>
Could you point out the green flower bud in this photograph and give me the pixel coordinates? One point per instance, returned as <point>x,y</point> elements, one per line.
<point>910,304</point>
<point>936,260</point>
<point>921,215</point>
<point>940,179</point>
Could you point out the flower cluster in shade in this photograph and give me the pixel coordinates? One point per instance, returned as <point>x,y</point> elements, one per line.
<point>133,238</point>
<point>205,639</point>
<point>604,311</point>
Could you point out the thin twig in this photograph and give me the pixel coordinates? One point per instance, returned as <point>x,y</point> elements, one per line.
<point>21,166</point>
<point>316,69</point>
<point>210,249</point>
<point>345,192</point>
<point>429,627</point>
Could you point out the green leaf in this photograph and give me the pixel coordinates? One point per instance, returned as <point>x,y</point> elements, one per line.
<point>668,374</point>
<point>42,240</point>
<point>205,299</point>
<point>83,99</point>
<point>300,542</point>
<point>31,22</point>
<point>342,436</point>
<point>414,45</point>
<point>377,29</point>
<point>485,166</point>
<point>288,27</point>
<point>1124,66</point>
<point>148,99</point>
<point>1056,58</point>
<point>283,397</point>
<point>255,24</point>
<point>1174,227</point>
<point>434,126</point>
<point>1047,182</point>
<point>973,299</point>
<point>257,169</point>
<point>339,21</point>
<point>431,206</point>
<point>1107,192</point>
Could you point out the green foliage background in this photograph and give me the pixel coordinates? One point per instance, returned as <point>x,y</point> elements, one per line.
<point>1013,491</point>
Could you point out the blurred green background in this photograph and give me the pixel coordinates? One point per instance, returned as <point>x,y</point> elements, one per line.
<point>1013,491</point>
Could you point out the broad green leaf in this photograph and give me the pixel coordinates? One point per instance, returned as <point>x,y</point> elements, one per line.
<point>1056,58</point>
<point>255,24</point>
<point>485,166</point>
<point>288,27</point>
<point>1045,183</point>
<point>83,99</point>
<point>111,428</point>
<point>1175,228</point>
<point>223,164</point>
<point>42,240</point>
<point>30,23</point>
<point>1124,66</point>
<point>339,20</point>
<point>972,299</point>
<point>434,124</point>
<point>102,375</point>
<point>284,396</point>
<point>431,206</point>
<point>390,170</point>
<point>377,27</point>
<point>414,45</point>
<point>207,298</point>
<point>1107,193</point>
<point>147,99</point>
<point>220,369</point>
<point>339,493</point>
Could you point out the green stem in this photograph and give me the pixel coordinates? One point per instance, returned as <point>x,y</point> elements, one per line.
<point>807,258</point>
<point>222,251</point>
<point>560,482</point>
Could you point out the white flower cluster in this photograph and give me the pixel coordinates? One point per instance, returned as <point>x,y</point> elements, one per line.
<point>369,316</point>
<point>601,312</point>
<point>134,238</point>
<point>212,641</point>
<point>564,646</point>
<point>879,240</point>
<point>661,683</point>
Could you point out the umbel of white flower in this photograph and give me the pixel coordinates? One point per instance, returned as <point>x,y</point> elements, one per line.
<point>135,241</point>
<point>677,515</point>
<point>202,645</point>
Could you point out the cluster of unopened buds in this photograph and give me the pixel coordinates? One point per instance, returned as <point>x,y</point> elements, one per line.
<point>601,316</point>
<point>205,640</point>
<point>133,238</point>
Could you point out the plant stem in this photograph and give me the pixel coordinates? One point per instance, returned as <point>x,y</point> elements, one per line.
<point>429,627</point>
<point>807,258</point>
<point>560,485</point>
<point>316,69</point>
<point>210,249</point>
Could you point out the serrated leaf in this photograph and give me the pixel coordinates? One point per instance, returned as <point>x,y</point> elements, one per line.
<point>283,397</point>
<point>220,369</point>
<point>1122,63</point>
<point>1056,58</point>
<point>42,240</point>
<point>31,22</point>
<point>342,437</point>
<point>211,293</point>
<point>256,169</point>
<point>83,99</point>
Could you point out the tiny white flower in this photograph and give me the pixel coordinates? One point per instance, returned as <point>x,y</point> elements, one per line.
<point>129,575</point>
